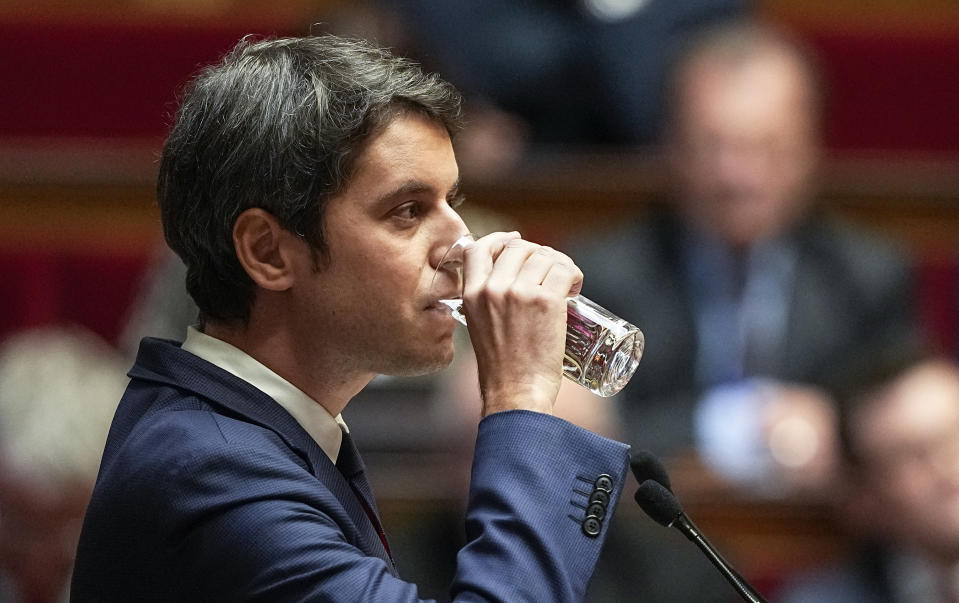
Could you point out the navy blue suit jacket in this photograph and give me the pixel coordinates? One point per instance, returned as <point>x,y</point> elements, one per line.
<point>210,491</point>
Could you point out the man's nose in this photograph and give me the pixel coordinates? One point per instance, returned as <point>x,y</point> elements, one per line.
<point>450,257</point>
<point>739,165</point>
<point>453,229</point>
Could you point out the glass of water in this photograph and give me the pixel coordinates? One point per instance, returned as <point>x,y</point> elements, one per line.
<point>602,350</point>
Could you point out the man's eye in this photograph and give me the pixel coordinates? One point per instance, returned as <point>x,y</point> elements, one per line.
<point>408,211</point>
<point>457,200</point>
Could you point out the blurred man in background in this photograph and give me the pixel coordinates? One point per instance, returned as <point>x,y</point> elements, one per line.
<point>58,392</point>
<point>899,422</point>
<point>554,72</point>
<point>749,297</point>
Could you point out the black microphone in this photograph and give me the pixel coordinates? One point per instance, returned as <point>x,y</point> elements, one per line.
<point>646,465</point>
<point>662,506</point>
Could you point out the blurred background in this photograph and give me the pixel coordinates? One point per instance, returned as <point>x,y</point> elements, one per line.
<point>566,102</point>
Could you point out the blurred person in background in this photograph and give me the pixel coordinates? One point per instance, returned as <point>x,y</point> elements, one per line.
<point>749,295</point>
<point>554,72</point>
<point>899,492</point>
<point>58,392</point>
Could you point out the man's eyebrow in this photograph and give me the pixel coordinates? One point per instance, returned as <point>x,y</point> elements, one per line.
<point>409,187</point>
<point>412,187</point>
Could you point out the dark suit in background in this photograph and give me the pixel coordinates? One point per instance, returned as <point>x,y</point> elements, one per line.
<point>874,574</point>
<point>850,293</point>
<point>574,71</point>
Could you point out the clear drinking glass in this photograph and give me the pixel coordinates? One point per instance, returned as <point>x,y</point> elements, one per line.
<point>602,350</point>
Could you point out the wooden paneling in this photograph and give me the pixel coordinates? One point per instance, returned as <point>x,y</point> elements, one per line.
<point>913,200</point>
<point>58,196</point>
<point>899,16</point>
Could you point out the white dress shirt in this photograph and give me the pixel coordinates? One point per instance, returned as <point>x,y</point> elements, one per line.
<point>324,428</point>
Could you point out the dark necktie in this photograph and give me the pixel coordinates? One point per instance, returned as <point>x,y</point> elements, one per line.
<point>351,466</point>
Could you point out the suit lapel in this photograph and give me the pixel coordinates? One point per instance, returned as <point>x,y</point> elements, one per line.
<point>350,465</point>
<point>819,314</point>
<point>675,321</point>
<point>364,536</point>
<point>164,362</point>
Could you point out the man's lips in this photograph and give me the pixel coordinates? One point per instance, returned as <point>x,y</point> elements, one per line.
<point>435,303</point>
<point>438,306</point>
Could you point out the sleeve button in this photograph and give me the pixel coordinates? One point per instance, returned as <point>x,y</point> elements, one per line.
<point>604,482</point>
<point>592,526</point>
<point>599,496</point>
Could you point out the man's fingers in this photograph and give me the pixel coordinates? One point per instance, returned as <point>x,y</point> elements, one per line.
<point>502,261</point>
<point>577,275</point>
<point>508,267</point>
<point>564,279</point>
<point>536,267</point>
<point>478,258</point>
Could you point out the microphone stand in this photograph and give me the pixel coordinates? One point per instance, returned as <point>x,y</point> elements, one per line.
<point>658,501</point>
<point>685,525</point>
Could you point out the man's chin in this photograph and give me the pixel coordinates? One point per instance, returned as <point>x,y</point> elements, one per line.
<point>417,367</point>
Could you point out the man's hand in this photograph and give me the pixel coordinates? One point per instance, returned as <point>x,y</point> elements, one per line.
<point>515,299</point>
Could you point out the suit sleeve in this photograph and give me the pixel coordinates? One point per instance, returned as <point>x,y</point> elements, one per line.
<point>532,532</point>
<point>541,495</point>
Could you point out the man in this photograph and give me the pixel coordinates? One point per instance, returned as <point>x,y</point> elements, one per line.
<point>754,297</point>
<point>899,421</point>
<point>308,185</point>
<point>554,72</point>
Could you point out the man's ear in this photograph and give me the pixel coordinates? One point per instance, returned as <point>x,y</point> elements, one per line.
<point>264,249</point>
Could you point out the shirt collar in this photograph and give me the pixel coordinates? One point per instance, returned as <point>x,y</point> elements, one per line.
<point>324,428</point>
